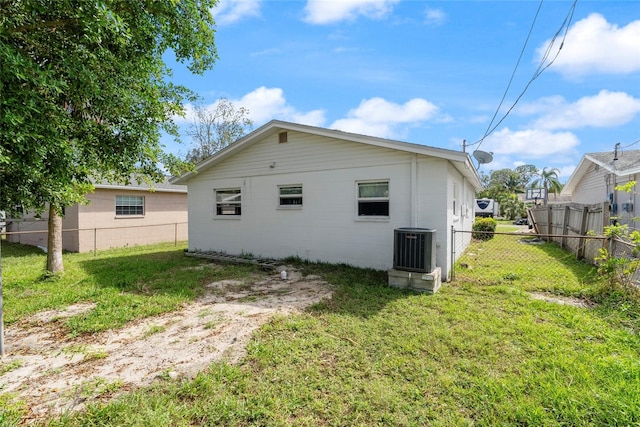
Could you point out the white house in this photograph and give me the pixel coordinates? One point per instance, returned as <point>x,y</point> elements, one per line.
<point>596,176</point>
<point>324,195</point>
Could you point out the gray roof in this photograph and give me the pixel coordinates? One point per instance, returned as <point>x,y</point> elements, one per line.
<point>133,184</point>
<point>627,162</point>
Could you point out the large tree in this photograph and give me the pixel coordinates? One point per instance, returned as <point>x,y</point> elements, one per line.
<point>214,127</point>
<point>84,94</point>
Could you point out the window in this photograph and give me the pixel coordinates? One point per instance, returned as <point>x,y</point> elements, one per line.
<point>129,205</point>
<point>455,197</point>
<point>373,198</point>
<point>228,202</point>
<point>290,196</point>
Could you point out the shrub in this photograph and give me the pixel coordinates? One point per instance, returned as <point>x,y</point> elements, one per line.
<point>483,228</point>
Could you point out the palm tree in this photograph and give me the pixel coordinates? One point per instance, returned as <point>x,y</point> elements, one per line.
<point>549,181</point>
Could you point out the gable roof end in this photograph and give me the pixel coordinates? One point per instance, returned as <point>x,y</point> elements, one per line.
<point>461,160</point>
<point>627,163</point>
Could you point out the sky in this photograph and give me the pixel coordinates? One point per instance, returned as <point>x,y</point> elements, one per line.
<point>531,82</point>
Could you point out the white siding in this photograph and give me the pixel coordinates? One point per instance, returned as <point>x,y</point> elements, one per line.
<point>598,184</point>
<point>327,227</point>
<point>592,187</point>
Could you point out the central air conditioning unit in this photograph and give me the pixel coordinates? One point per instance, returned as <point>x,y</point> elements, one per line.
<point>414,249</point>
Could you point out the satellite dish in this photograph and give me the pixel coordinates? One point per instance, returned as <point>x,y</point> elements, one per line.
<point>483,157</point>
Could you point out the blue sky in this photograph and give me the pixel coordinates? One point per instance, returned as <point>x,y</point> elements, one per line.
<point>434,73</point>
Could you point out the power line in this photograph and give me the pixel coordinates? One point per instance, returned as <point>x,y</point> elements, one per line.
<point>513,73</point>
<point>541,67</point>
<point>633,143</point>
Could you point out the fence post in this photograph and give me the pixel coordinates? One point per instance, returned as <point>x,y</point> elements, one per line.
<point>453,253</point>
<point>95,241</point>
<point>175,234</point>
<point>583,232</point>
<point>565,226</point>
<point>549,223</point>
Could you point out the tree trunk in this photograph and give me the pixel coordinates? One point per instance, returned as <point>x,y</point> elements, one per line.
<point>54,242</point>
<point>1,312</point>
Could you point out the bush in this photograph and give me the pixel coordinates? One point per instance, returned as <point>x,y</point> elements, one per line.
<point>485,226</point>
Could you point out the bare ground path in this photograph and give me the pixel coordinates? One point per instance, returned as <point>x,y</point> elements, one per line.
<point>55,374</point>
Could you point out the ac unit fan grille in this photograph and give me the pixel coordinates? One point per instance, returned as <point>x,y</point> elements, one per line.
<point>414,250</point>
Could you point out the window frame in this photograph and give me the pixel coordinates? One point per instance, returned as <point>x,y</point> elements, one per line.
<point>220,205</point>
<point>290,197</point>
<point>126,208</point>
<point>373,199</point>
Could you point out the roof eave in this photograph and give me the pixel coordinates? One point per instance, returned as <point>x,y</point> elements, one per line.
<point>277,125</point>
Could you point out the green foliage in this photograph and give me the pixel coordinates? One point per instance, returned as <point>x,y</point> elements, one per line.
<point>480,352</point>
<point>507,181</point>
<point>618,271</point>
<point>628,187</point>
<point>483,228</point>
<point>511,207</point>
<point>548,179</point>
<point>148,281</point>
<point>83,93</point>
<point>11,412</point>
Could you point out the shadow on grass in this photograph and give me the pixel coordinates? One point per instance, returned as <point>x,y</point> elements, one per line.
<point>17,250</point>
<point>359,292</point>
<point>511,257</point>
<point>147,274</point>
<point>582,268</point>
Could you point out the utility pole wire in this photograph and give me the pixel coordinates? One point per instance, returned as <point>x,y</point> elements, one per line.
<point>513,73</point>
<point>541,67</point>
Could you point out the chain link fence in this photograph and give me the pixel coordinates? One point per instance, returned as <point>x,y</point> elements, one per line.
<point>94,239</point>
<point>509,253</point>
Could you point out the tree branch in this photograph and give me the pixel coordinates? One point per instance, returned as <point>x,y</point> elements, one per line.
<point>42,25</point>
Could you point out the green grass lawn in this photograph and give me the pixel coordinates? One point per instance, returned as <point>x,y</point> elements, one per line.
<point>480,352</point>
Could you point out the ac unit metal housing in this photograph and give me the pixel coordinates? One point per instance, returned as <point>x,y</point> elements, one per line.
<point>414,249</point>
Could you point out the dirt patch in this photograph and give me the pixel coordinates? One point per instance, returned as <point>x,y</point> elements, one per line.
<point>55,374</point>
<point>556,299</point>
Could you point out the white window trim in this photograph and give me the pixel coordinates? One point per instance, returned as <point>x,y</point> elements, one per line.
<point>372,218</point>
<point>215,203</point>
<point>290,207</point>
<point>136,215</point>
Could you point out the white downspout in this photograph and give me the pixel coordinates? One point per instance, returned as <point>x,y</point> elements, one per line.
<point>413,217</point>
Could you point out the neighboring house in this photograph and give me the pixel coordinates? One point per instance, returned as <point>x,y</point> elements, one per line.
<point>116,216</point>
<point>324,195</point>
<point>596,177</point>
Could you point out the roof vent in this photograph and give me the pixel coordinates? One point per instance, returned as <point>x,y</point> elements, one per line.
<point>282,137</point>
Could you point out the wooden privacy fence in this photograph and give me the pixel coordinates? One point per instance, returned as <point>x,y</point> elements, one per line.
<point>564,223</point>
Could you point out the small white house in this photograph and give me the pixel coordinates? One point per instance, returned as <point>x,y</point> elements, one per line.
<point>324,195</point>
<point>596,176</point>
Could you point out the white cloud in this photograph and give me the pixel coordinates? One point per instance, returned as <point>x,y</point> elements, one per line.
<point>565,171</point>
<point>379,117</point>
<point>332,11</point>
<point>232,11</point>
<point>434,17</point>
<point>265,104</point>
<point>606,109</point>
<point>595,46</point>
<point>530,144</point>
